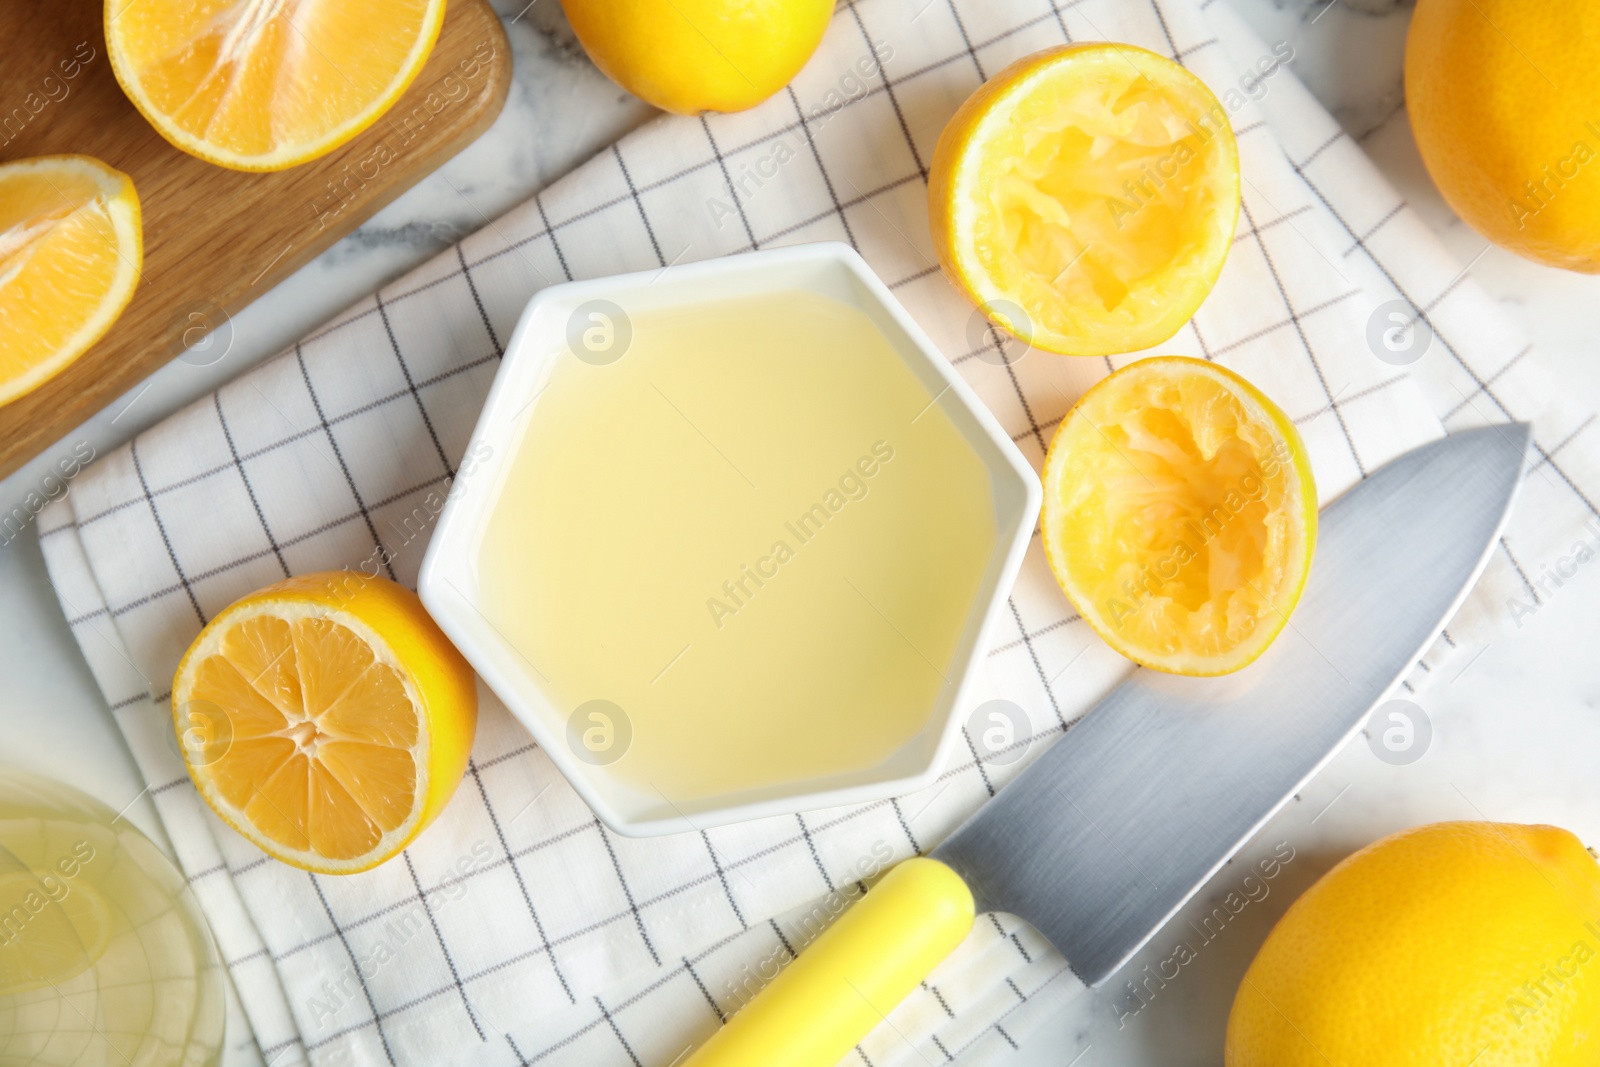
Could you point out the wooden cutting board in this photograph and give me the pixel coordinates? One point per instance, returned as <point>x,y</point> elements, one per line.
<point>214,239</point>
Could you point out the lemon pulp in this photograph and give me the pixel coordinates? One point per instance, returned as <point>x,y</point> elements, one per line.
<point>321,756</point>
<point>1091,205</point>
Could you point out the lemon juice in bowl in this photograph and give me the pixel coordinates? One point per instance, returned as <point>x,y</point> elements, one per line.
<point>752,541</point>
<point>733,540</point>
<point>104,957</point>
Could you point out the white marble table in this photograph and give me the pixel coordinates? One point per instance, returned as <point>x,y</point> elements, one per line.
<point>1512,731</point>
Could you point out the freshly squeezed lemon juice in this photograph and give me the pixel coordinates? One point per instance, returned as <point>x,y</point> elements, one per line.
<point>104,958</point>
<point>753,533</point>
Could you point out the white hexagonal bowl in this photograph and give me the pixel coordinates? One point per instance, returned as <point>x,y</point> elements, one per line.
<point>450,577</point>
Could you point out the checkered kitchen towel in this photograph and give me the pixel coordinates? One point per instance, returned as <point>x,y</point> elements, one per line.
<point>518,930</point>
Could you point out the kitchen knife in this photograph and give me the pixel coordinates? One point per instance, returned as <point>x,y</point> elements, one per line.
<point>1109,832</point>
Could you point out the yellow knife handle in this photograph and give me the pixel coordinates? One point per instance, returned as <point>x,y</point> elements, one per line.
<point>825,1001</point>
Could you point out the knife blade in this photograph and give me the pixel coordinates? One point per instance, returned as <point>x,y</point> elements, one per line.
<point>1112,829</point>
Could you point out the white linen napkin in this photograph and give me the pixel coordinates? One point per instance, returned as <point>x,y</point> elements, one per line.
<point>517,929</point>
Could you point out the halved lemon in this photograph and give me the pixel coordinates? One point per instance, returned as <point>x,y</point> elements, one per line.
<point>267,84</point>
<point>71,248</point>
<point>1085,198</point>
<point>1180,515</point>
<point>326,718</point>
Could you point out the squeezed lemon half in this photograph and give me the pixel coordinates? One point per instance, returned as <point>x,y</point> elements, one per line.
<point>326,718</point>
<point>1180,515</point>
<point>267,84</point>
<point>1093,187</point>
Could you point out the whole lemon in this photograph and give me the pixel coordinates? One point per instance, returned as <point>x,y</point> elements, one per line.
<point>1457,944</point>
<point>1504,97</point>
<point>690,56</point>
